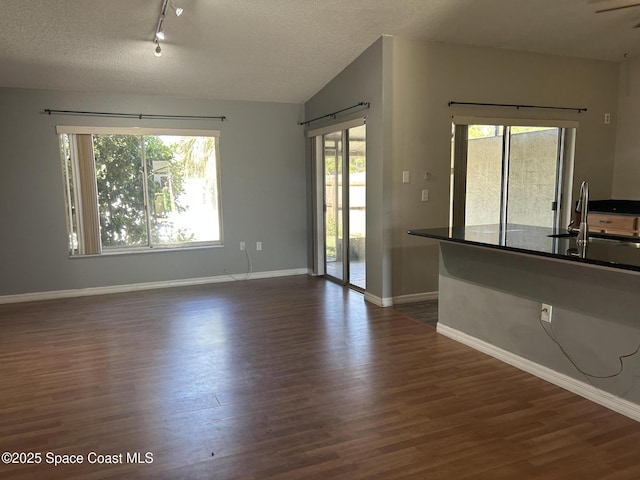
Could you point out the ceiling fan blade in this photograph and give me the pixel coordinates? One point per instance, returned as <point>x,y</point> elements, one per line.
<point>618,8</point>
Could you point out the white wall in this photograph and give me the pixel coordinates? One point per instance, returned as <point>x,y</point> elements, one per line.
<point>263,192</point>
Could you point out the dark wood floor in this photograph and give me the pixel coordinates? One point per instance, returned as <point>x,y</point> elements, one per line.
<point>291,378</point>
<point>425,312</point>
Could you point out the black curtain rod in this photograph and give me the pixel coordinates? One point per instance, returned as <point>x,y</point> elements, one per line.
<point>333,114</point>
<point>575,109</point>
<point>139,116</point>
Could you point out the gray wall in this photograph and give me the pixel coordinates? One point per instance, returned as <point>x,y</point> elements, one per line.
<point>626,180</point>
<point>426,76</point>
<point>497,296</point>
<point>262,185</point>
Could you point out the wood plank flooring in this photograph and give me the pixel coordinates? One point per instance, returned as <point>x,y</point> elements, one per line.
<point>289,378</point>
<point>425,312</point>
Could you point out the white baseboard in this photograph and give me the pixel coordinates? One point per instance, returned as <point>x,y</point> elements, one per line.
<point>133,287</point>
<point>381,302</point>
<point>415,298</point>
<point>400,300</point>
<point>610,401</point>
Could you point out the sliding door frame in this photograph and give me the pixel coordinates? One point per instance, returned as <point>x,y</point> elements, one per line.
<point>564,166</point>
<point>316,138</point>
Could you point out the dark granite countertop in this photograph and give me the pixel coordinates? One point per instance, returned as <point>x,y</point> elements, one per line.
<point>609,251</point>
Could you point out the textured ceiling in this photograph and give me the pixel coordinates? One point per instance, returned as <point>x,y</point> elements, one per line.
<point>275,50</point>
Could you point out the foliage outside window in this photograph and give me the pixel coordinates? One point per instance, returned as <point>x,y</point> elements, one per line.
<point>484,131</point>
<point>138,191</point>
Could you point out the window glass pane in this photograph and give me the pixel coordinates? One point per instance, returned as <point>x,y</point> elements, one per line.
<point>183,188</point>
<point>517,129</point>
<point>333,200</point>
<point>121,203</point>
<point>357,206</point>
<point>485,131</point>
<point>484,175</point>
<point>532,175</point>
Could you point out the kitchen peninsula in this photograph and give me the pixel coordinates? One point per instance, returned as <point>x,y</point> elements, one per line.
<point>495,279</point>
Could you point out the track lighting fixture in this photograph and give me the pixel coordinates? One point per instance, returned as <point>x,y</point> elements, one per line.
<point>178,10</point>
<point>160,26</point>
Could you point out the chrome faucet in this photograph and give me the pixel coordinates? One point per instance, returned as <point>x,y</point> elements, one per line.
<point>583,209</point>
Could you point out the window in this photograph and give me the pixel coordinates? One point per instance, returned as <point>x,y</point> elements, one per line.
<point>132,189</point>
<point>511,172</point>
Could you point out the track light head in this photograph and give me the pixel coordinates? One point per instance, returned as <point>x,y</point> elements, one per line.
<point>178,10</point>
<point>160,35</point>
<point>158,51</point>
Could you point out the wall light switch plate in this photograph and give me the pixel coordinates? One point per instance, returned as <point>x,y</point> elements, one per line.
<point>405,176</point>
<point>425,195</point>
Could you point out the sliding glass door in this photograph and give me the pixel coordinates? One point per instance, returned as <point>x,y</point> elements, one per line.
<point>344,200</point>
<point>508,174</point>
<point>534,174</point>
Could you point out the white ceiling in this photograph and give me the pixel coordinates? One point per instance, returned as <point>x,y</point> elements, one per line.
<point>275,50</point>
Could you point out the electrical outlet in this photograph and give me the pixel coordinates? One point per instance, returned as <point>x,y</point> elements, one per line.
<point>607,118</point>
<point>243,246</point>
<point>546,312</point>
<point>258,246</point>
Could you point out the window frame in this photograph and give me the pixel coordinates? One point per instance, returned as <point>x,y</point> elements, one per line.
<point>140,132</point>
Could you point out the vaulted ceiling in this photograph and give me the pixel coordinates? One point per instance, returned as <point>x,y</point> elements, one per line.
<point>275,50</point>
